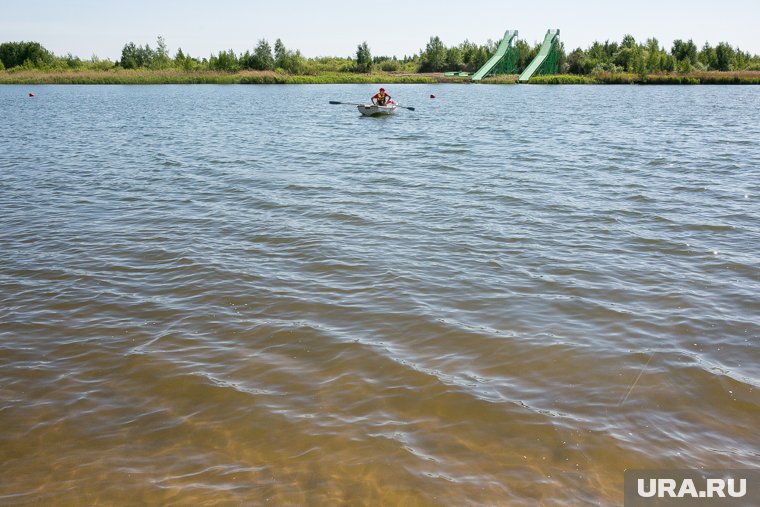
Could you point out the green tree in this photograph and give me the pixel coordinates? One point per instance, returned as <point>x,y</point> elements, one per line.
<point>246,60</point>
<point>289,61</point>
<point>562,60</point>
<point>742,60</point>
<point>491,46</point>
<point>724,56</point>
<point>468,50</point>
<point>363,58</point>
<point>16,54</point>
<point>180,59</point>
<point>147,55</point>
<point>294,62</point>
<point>262,56</point>
<point>161,59</point>
<point>135,57</point>
<point>226,61</point>
<point>601,55</point>
<point>524,54</point>
<point>473,56</point>
<point>629,42</point>
<point>707,57</point>
<point>454,59</point>
<point>129,56</point>
<point>71,62</point>
<point>640,65</point>
<point>654,55</point>
<point>577,62</point>
<point>433,58</point>
<point>280,53</point>
<point>684,51</point>
<point>186,62</point>
<point>684,66</point>
<point>626,57</point>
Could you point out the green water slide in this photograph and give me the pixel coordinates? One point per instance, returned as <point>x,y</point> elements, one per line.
<point>547,60</point>
<point>503,61</point>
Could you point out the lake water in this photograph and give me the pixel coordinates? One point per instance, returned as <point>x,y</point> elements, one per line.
<point>221,295</point>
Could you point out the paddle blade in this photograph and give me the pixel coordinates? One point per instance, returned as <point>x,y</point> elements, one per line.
<point>335,102</point>
<point>410,108</point>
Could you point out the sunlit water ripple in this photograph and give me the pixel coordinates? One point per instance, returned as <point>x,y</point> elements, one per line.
<point>224,294</point>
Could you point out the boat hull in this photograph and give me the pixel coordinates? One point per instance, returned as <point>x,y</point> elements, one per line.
<point>373,110</point>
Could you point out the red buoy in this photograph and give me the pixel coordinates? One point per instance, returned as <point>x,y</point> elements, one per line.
<point>31,94</point>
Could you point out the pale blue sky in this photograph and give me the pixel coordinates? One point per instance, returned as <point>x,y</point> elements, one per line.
<point>335,27</point>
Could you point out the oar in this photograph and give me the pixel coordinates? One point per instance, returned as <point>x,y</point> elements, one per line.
<point>335,102</point>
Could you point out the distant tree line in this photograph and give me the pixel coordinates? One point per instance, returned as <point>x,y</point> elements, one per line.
<point>650,57</point>
<point>263,57</point>
<point>627,56</point>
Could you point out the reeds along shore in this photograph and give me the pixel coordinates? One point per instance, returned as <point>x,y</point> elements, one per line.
<point>692,78</point>
<point>145,76</point>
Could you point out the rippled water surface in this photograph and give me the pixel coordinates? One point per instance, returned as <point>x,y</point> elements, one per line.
<point>243,295</point>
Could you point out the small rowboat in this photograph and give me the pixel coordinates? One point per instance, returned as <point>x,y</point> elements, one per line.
<point>373,110</point>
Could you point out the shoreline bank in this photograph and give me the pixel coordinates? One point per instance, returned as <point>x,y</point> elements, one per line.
<point>128,77</point>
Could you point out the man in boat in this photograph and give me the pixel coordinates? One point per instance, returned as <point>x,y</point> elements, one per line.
<point>381,98</point>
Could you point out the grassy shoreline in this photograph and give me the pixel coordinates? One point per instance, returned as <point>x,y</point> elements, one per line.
<point>143,76</point>
<point>127,77</point>
<point>692,78</point>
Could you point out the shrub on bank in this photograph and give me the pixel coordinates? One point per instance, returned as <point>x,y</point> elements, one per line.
<point>563,79</point>
<point>670,79</point>
<point>616,78</point>
<point>729,77</point>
